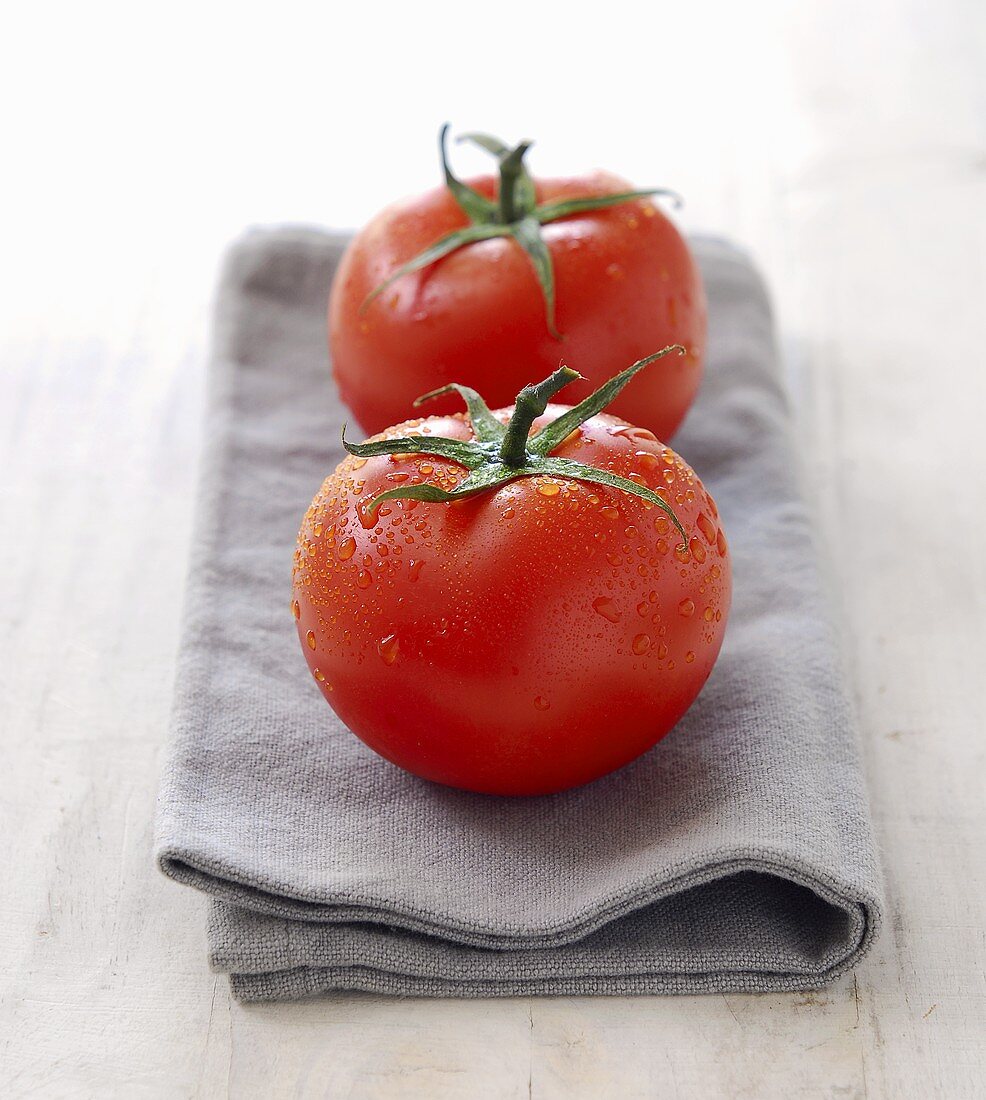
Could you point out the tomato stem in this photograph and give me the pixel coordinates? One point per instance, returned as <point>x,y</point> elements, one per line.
<point>530,404</point>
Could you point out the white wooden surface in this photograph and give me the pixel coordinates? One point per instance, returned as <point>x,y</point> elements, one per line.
<point>846,147</point>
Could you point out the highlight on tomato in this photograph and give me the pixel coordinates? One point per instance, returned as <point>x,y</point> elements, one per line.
<point>490,282</point>
<point>513,602</point>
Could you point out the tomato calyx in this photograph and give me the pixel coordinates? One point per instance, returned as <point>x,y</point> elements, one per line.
<point>503,452</point>
<point>515,214</point>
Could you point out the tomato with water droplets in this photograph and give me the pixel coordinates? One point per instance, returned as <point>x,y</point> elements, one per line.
<point>529,638</point>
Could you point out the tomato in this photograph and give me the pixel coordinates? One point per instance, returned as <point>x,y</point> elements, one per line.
<point>526,638</point>
<point>613,282</point>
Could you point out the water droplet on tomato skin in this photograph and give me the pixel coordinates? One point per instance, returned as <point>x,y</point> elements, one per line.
<point>549,489</point>
<point>296,609</point>
<point>310,638</point>
<point>721,545</point>
<point>686,608</point>
<point>707,615</point>
<point>641,643</point>
<point>646,459</point>
<point>363,579</point>
<point>541,703</point>
<point>346,548</point>
<point>319,675</point>
<point>604,606</point>
<point>662,651</point>
<point>388,648</point>
<point>707,527</point>
<point>609,513</point>
<point>689,657</point>
<point>414,570</point>
<point>697,549</point>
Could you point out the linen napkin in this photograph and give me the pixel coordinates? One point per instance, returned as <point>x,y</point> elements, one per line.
<point>735,855</point>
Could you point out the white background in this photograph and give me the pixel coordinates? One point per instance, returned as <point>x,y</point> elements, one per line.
<point>844,144</point>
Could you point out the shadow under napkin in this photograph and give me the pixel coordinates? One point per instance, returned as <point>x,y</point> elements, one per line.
<point>736,855</point>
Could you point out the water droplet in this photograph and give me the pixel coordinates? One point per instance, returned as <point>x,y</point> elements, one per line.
<point>697,549</point>
<point>689,657</point>
<point>388,648</point>
<point>357,463</point>
<point>662,651</point>
<point>647,459</point>
<point>669,476</point>
<point>395,477</point>
<point>609,513</point>
<point>718,616</point>
<point>363,579</point>
<point>686,608</point>
<point>681,552</point>
<point>346,548</point>
<point>509,513</point>
<point>319,675</point>
<point>615,271</point>
<point>643,609</point>
<point>296,609</point>
<point>541,703</point>
<point>310,638</point>
<point>549,489</point>
<point>707,615</point>
<point>707,527</point>
<point>641,643</point>
<point>414,570</point>
<point>425,469</point>
<point>605,607</point>
<point>721,543</point>
<point>317,530</point>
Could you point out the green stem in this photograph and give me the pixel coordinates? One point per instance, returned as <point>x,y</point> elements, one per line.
<point>511,167</point>
<point>530,404</point>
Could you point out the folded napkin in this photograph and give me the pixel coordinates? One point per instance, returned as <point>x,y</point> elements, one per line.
<point>736,855</point>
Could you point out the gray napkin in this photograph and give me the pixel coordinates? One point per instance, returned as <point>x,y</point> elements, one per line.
<point>736,855</point>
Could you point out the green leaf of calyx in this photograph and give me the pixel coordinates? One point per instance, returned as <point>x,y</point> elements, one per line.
<point>577,471</point>
<point>527,233</point>
<point>442,247</point>
<point>562,208</point>
<point>465,453</point>
<point>484,424</point>
<point>477,208</point>
<point>552,435</point>
<point>489,477</point>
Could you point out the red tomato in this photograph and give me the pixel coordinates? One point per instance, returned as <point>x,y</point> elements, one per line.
<point>625,283</point>
<point>523,640</point>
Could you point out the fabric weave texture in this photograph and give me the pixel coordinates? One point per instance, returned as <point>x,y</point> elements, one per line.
<point>737,855</point>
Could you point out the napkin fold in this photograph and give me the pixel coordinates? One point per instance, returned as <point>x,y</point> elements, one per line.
<point>735,855</point>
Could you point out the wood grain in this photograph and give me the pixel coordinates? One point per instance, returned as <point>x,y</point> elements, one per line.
<point>847,148</point>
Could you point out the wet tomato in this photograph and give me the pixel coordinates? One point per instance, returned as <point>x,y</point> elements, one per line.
<point>514,610</point>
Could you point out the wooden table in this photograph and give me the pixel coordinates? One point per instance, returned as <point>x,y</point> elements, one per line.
<point>846,148</point>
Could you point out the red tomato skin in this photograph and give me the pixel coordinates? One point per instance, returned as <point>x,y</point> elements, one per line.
<point>626,286</point>
<point>513,643</point>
